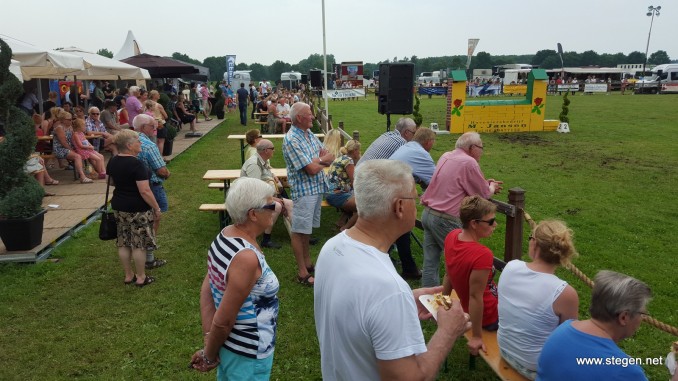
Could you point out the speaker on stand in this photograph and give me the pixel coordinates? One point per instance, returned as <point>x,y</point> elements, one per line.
<point>396,86</point>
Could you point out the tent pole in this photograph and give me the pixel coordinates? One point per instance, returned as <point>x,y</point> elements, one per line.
<point>327,111</point>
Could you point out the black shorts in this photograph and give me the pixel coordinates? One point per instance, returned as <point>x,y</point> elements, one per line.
<point>162,133</point>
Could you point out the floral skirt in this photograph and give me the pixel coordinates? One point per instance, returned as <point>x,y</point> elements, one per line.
<point>135,229</point>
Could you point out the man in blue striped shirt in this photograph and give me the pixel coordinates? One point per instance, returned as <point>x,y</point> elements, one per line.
<point>306,160</point>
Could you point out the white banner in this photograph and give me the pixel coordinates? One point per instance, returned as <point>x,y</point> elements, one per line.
<point>568,87</point>
<point>345,93</point>
<point>472,43</point>
<point>595,88</point>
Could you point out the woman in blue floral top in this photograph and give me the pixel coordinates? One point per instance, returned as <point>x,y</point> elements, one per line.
<point>341,181</point>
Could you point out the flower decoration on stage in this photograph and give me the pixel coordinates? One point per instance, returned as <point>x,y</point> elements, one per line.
<point>537,106</point>
<point>457,107</point>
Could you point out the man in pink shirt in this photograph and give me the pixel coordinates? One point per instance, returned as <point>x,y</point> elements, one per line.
<point>457,175</point>
<point>132,104</point>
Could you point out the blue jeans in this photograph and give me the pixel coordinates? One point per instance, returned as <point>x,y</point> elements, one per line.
<point>436,230</point>
<point>160,196</point>
<point>243,113</point>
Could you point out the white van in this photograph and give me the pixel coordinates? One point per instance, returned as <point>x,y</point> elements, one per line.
<point>290,79</point>
<point>664,79</point>
<point>239,76</point>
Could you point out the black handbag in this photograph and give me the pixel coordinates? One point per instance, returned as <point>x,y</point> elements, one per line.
<point>108,229</point>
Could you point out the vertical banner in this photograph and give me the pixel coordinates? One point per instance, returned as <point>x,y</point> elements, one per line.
<point>472,43</point>
<point>230,67</point>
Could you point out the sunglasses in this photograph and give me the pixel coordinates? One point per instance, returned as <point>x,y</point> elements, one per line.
<point>490,222</point>
<point>270,206</point>
<point>94,113</point>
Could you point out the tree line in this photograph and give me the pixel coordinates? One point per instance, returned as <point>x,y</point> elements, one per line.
<point>547,59</point>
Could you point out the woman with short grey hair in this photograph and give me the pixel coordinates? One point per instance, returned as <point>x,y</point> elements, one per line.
<point>618,304</point>
<point>238,298</point>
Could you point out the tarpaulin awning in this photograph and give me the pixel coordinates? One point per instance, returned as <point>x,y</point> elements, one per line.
<point>160,67</point>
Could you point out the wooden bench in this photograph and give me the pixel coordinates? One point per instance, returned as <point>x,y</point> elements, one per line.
<point>224,218</point>
<point>493,357</point>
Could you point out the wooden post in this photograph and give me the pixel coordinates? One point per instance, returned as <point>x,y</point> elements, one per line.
<point>356,136</point>
<point>513,245</point>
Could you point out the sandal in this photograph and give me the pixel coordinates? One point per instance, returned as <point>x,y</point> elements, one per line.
<point>155,264</point>
<point>208,119</point>
<point>310,269</point>
<point>86,180</point>
<point>53,182</point>
<point>305,280</point>
<point>134,280</point>
<point>148,280</point>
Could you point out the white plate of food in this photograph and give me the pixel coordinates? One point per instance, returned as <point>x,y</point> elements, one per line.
<point>435,301</point>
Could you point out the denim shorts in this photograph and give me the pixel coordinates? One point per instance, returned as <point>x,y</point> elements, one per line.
<point>160,196</point>
<point>338,199</point>
<point>306,214</point>
<point>528,373</point>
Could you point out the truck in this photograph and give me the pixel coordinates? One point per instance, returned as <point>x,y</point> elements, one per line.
<point>239,76</point>
<point>290,79</point>
<point>663,79</point>
<point>350,72</point>
<point>432,77</point>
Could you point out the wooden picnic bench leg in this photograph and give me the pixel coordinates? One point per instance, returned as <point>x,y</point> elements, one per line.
<point>242,151</point>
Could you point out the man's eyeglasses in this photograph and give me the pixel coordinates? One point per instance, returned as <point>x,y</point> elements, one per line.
<point>269,148</point>
<point>94,113</point>
<point>270,206</point>
<point>490,222</point>
<point>475,145</point>
<point>411,131</point>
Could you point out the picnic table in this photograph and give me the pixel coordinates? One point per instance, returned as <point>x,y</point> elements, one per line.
<point>265,136</point>
<point>226,175</point>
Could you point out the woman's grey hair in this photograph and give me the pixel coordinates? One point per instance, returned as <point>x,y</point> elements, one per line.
<point>123,138</point>
<point>245,194</point>
<point>142,119</point>
<point>614,293</point>
<point>467,139</point>
<point>377,183</point>
<point>295,109</point>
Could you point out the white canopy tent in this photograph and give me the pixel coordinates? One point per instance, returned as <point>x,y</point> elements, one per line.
<point>36,62</point>
<point>129,48</point>
<point>104,68</point>
<point>15,69</point>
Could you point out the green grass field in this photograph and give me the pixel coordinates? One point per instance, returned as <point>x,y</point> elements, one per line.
<point>612,179</point>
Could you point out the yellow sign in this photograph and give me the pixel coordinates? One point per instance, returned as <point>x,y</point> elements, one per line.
<point>515,89</point>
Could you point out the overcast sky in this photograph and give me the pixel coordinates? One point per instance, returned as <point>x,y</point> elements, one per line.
<point>356,30</point>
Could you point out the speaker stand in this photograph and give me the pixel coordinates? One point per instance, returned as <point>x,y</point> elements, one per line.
<point>388,122</point>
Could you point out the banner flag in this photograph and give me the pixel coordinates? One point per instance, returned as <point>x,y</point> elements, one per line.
<point>230,67</point>
<point>472,43</point>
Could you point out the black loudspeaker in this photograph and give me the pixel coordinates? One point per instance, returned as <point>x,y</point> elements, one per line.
<point>316,78</point>
<point>304,79</point>
<point>396,86</point>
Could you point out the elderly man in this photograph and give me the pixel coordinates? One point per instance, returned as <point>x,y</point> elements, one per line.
<point>618,304</point>
<point>258,166</point>
<point>388,142</point>
<point>457,175</point>
<point>382,148</point>
<point>416,155</point>
<point>151,157</point>
<point>95,126</point>
<point>305,158</point>
<point>366,317</point>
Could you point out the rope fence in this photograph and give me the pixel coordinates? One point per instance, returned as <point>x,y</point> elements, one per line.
<point>579,274</point>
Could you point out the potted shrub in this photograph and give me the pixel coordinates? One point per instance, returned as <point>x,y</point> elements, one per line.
<point>564,125</point>
<point>21,213</point>
<point>416,115</point>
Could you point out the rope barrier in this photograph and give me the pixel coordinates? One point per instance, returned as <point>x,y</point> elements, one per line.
<point>579,274</point>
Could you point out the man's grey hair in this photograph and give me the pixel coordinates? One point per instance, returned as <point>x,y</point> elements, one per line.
<point>263,144</point>
<point>404,123</point>
<point>377,183</point>
<point>134,89</point>
<point>468,139</point>
<point>295,109</point>
<point>245,194</point>
<point>614,293</point>
<point>142,119</point>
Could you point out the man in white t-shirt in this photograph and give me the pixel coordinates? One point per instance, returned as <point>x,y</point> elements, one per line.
<point>366,315</point>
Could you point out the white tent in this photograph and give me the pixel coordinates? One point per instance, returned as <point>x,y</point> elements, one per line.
<point>129,49</point>
<point>38,62</point>
<point>106,68</point>
<point>15,69</point>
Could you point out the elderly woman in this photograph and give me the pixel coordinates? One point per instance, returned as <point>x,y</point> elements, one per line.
<point>533,301</point>
<point>135,207</point>
<point>160,116</point>
<point>238,298</point>
<point>62,144</point>
<point>618,304</point>
<point>341,182</point>
<point>469,268</point>
<point>252,137</point>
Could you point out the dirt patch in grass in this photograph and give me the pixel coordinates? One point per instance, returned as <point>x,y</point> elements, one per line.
<point>525,139</point>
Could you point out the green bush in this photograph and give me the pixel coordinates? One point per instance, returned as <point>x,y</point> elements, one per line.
<point>416,115</point>
<point>20,194</point>
<point>566,109</point>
